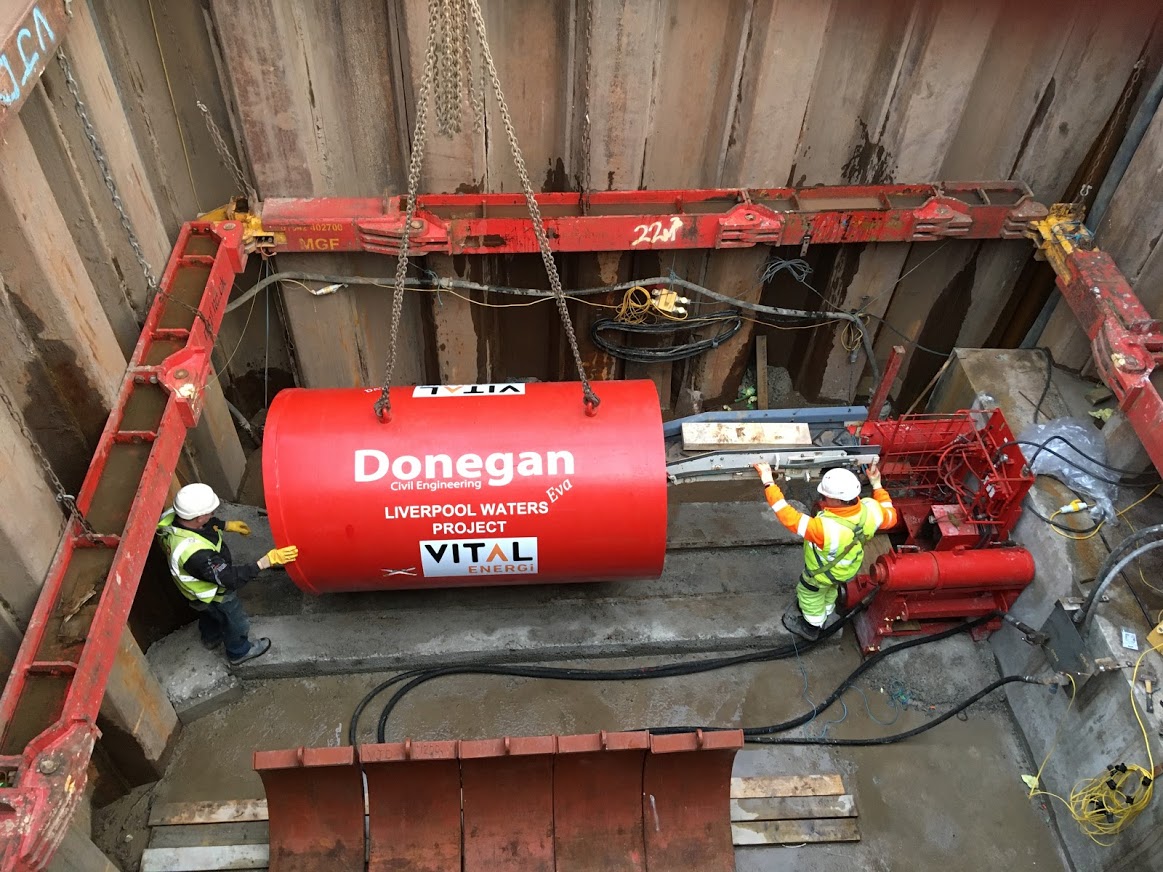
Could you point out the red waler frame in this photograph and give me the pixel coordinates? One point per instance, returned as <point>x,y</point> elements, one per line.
<point>49,708</point>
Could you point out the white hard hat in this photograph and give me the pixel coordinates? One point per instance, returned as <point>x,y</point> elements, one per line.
<point>839,484</point>
<point>195,500</point>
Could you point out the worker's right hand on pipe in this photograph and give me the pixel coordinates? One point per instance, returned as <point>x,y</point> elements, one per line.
<point>278,557</point>
<point>764,470</point>
<point>873,473</point>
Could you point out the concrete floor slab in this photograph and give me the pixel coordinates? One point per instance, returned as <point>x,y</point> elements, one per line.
<point>950,799</point>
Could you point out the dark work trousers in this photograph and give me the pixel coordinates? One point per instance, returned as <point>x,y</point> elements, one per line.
<point>225,622</point>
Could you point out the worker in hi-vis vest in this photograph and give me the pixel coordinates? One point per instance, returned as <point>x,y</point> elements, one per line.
<point>833,540</point>
<point>200,563</point>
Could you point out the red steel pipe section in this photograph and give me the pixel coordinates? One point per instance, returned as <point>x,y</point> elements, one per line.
<point>644,220</point>
<point>600,802</point>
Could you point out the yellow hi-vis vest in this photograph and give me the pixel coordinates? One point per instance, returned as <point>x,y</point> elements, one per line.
<point>843,552</point>
<point>180,544</point>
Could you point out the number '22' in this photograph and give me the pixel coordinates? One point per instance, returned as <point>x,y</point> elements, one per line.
<point>654,233</point>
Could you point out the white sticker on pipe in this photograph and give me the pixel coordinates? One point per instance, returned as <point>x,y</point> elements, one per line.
<point>497,390</point>
<point>442,558</point>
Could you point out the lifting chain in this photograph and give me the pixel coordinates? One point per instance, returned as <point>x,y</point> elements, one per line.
<point>441,22</point>
<point>67,500</point>
<point>151,282</point>
<point>242,185</point>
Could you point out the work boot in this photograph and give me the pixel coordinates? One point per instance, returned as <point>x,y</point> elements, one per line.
<point>257,649</point>
<point>795,623</point>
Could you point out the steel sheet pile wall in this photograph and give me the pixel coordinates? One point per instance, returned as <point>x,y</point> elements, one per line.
<point>685,93</point>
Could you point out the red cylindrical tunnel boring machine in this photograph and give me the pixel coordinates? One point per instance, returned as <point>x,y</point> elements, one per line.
<point>467,485</point>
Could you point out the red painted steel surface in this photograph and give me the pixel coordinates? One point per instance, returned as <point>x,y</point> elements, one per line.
<point>511,485</point>
<point>1127,343</point>
<point>947,571</point>
<point>315,804</point>
<point>958,483</point>
<point>597,802</point>
<point>48,712</point>
<point>646,220</point>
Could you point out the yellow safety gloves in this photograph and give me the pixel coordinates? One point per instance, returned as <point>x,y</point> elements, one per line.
<point>278,557</point>
<point>240,527</point>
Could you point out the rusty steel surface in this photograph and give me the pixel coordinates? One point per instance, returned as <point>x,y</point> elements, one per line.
<point>413,810</point>
<point>684,801</point>
<point>880,395</point>
<point>48,712</point>
<point>30,34</point>
<point>646,220</point>
<point>599,802</point>
<point>315,805</point>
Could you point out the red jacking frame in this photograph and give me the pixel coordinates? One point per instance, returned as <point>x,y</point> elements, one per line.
<point>49,706</point>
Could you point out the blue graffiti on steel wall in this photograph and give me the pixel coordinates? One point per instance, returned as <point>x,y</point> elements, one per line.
<point>28,39</point>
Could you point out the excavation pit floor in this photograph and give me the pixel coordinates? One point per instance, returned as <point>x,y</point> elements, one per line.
<point>950,799</point>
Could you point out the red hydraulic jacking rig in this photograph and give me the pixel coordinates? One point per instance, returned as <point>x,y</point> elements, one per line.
<point>49,707</point>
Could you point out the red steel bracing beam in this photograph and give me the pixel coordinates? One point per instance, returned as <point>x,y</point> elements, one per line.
<point>640,220</point>
<point>1126,341</point>
<point>600,801</point>
<point>48,711</point>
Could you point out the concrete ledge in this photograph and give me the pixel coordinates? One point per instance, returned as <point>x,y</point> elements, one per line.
<point>197,681</point>
<point>339,643</point>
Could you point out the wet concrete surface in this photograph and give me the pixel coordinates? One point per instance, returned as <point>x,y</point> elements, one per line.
<point>950,799</point>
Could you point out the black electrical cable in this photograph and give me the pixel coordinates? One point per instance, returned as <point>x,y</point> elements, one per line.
<point>1131,479</point>
<point>1049,380</point>
<point>435,283</point>
<point>416,677</point>
<point>670,353</point>
<point>908,734</point>
<point>843,686</point>
<point>1080,531</point>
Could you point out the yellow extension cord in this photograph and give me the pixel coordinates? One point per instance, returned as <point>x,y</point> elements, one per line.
<point>1106,804</point>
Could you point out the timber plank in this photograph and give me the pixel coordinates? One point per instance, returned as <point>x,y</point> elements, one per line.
<point>209,835</point>
<point>795,832</point>
<point>786,785</point>
<point>786,808</point>
<point>210,812</point>
<point>205,859</point>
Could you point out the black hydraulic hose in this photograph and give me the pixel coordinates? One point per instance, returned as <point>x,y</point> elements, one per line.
<point>416,677</point>
<point>843,686</point>
<point>908,734</point>
<point>1108,572</point>
<point>667,671</point>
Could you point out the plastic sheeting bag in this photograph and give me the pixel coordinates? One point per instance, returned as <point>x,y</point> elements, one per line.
<point>1079,445</point>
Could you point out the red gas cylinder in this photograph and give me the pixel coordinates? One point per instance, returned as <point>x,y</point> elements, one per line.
<point>977,569</point>
<point>467,485</point>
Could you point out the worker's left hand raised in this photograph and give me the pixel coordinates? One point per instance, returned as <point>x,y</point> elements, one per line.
<point>240,527</point>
